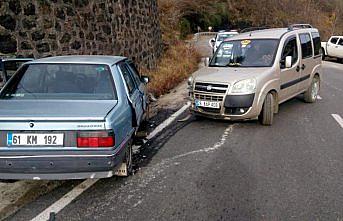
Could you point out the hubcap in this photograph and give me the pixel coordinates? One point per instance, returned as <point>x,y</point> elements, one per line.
<point>315,89</point>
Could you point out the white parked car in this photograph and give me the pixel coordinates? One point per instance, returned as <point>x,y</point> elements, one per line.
<point>333,48</point>
<point>220,37</point>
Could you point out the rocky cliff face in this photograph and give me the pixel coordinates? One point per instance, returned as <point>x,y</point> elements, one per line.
<point>43,28</point>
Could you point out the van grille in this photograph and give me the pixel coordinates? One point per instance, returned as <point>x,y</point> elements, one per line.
<point>204,97</point>
<point>211,88</point>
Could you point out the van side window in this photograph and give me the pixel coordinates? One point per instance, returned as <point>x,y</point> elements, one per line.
<point>340,42</point>
<point>334,40</point>
<point>316,43</point>
<point>291,49</point>
<point>306,45</point>
<point>128,78</point>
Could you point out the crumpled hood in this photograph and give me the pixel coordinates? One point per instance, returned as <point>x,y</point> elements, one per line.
<point>55,109</point>
<point>227,74</point>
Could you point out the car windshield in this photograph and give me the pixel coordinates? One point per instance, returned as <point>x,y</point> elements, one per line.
<point>62,82</point>
<point>245,53</point>
<point>222,37</point>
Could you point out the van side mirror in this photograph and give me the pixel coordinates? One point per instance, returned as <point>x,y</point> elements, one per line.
<point>288,62</point>
<point>145,79</point>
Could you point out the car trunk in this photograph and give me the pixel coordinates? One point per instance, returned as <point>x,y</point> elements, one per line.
<point>53,118</point>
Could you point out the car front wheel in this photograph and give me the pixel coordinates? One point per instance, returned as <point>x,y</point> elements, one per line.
<point>267,114</point>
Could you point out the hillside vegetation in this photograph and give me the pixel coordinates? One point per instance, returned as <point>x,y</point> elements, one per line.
<point>185,16</point>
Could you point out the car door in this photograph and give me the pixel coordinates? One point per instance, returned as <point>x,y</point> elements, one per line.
<point>289,76</point>
<point>332,46</point>
<point>134,95</point>
<point>307,61</point>
<point>141,86</point>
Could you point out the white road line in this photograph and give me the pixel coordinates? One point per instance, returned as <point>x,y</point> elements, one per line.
<point>319,97</point>
<point>338,119</point>
<point>168,121</point>
<point>65,200</point>
<point>79,189</point>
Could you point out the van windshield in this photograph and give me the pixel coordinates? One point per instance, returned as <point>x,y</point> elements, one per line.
<point>246,53</point>
<point>222,37</point>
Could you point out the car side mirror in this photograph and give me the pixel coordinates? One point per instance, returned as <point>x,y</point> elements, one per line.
<point>288,62</point>
<point>145,79</point>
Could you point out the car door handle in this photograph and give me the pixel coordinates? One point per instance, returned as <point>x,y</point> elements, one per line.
<point>298,68</point>
<point>303,67</point>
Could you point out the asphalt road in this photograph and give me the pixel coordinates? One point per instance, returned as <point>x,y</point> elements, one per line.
<point>217,170</point>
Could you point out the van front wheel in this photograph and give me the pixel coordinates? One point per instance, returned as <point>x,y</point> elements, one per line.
<point>267,114</point>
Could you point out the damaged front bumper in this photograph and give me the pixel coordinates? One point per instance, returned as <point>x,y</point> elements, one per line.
<point>232,107</point>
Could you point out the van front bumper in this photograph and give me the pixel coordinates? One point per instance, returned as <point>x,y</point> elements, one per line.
<point>233,107</point>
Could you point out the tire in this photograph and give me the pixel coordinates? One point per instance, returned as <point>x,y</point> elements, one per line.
<point>266,116</point>
<point>311,94</point>
<point>323,54</point>
<point>128,158</point>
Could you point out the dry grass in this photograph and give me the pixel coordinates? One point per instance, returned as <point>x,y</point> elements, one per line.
<point>178,62</point>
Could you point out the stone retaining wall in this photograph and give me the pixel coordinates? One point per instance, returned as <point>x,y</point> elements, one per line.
<point>41,28</point>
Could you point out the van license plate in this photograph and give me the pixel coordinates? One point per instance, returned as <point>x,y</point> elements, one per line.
<point>23,139</point>
<point>209,104</point>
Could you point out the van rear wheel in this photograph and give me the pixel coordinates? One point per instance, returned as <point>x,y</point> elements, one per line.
<point>310,96</point>
<point>267,114</point>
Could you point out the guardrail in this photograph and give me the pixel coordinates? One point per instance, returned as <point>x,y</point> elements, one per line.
<point>199,34</point>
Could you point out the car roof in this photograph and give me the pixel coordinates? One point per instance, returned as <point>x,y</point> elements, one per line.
<point>272,33</point>
<point>80,59</point>
<point>16,59</point>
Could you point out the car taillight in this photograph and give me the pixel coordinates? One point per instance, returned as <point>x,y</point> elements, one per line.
<point>95,139</point>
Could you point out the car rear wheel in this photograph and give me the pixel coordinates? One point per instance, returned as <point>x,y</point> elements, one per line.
<point>128,158</point>
<point>267,114</point>
<point>310,96</point>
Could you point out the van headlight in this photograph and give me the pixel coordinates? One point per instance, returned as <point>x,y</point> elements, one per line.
<point>247,86</point>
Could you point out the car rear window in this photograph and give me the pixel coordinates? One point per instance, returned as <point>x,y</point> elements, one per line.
<point>306,45</point>
<point>61,81</point>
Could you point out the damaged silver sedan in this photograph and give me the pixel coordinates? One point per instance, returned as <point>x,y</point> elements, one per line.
<point>71,117</point>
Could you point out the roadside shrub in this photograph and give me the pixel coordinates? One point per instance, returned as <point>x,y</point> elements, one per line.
<point>177,63</point>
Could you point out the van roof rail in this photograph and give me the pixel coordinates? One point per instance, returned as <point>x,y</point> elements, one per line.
<point>254,29</point>
<point>299,26</point>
